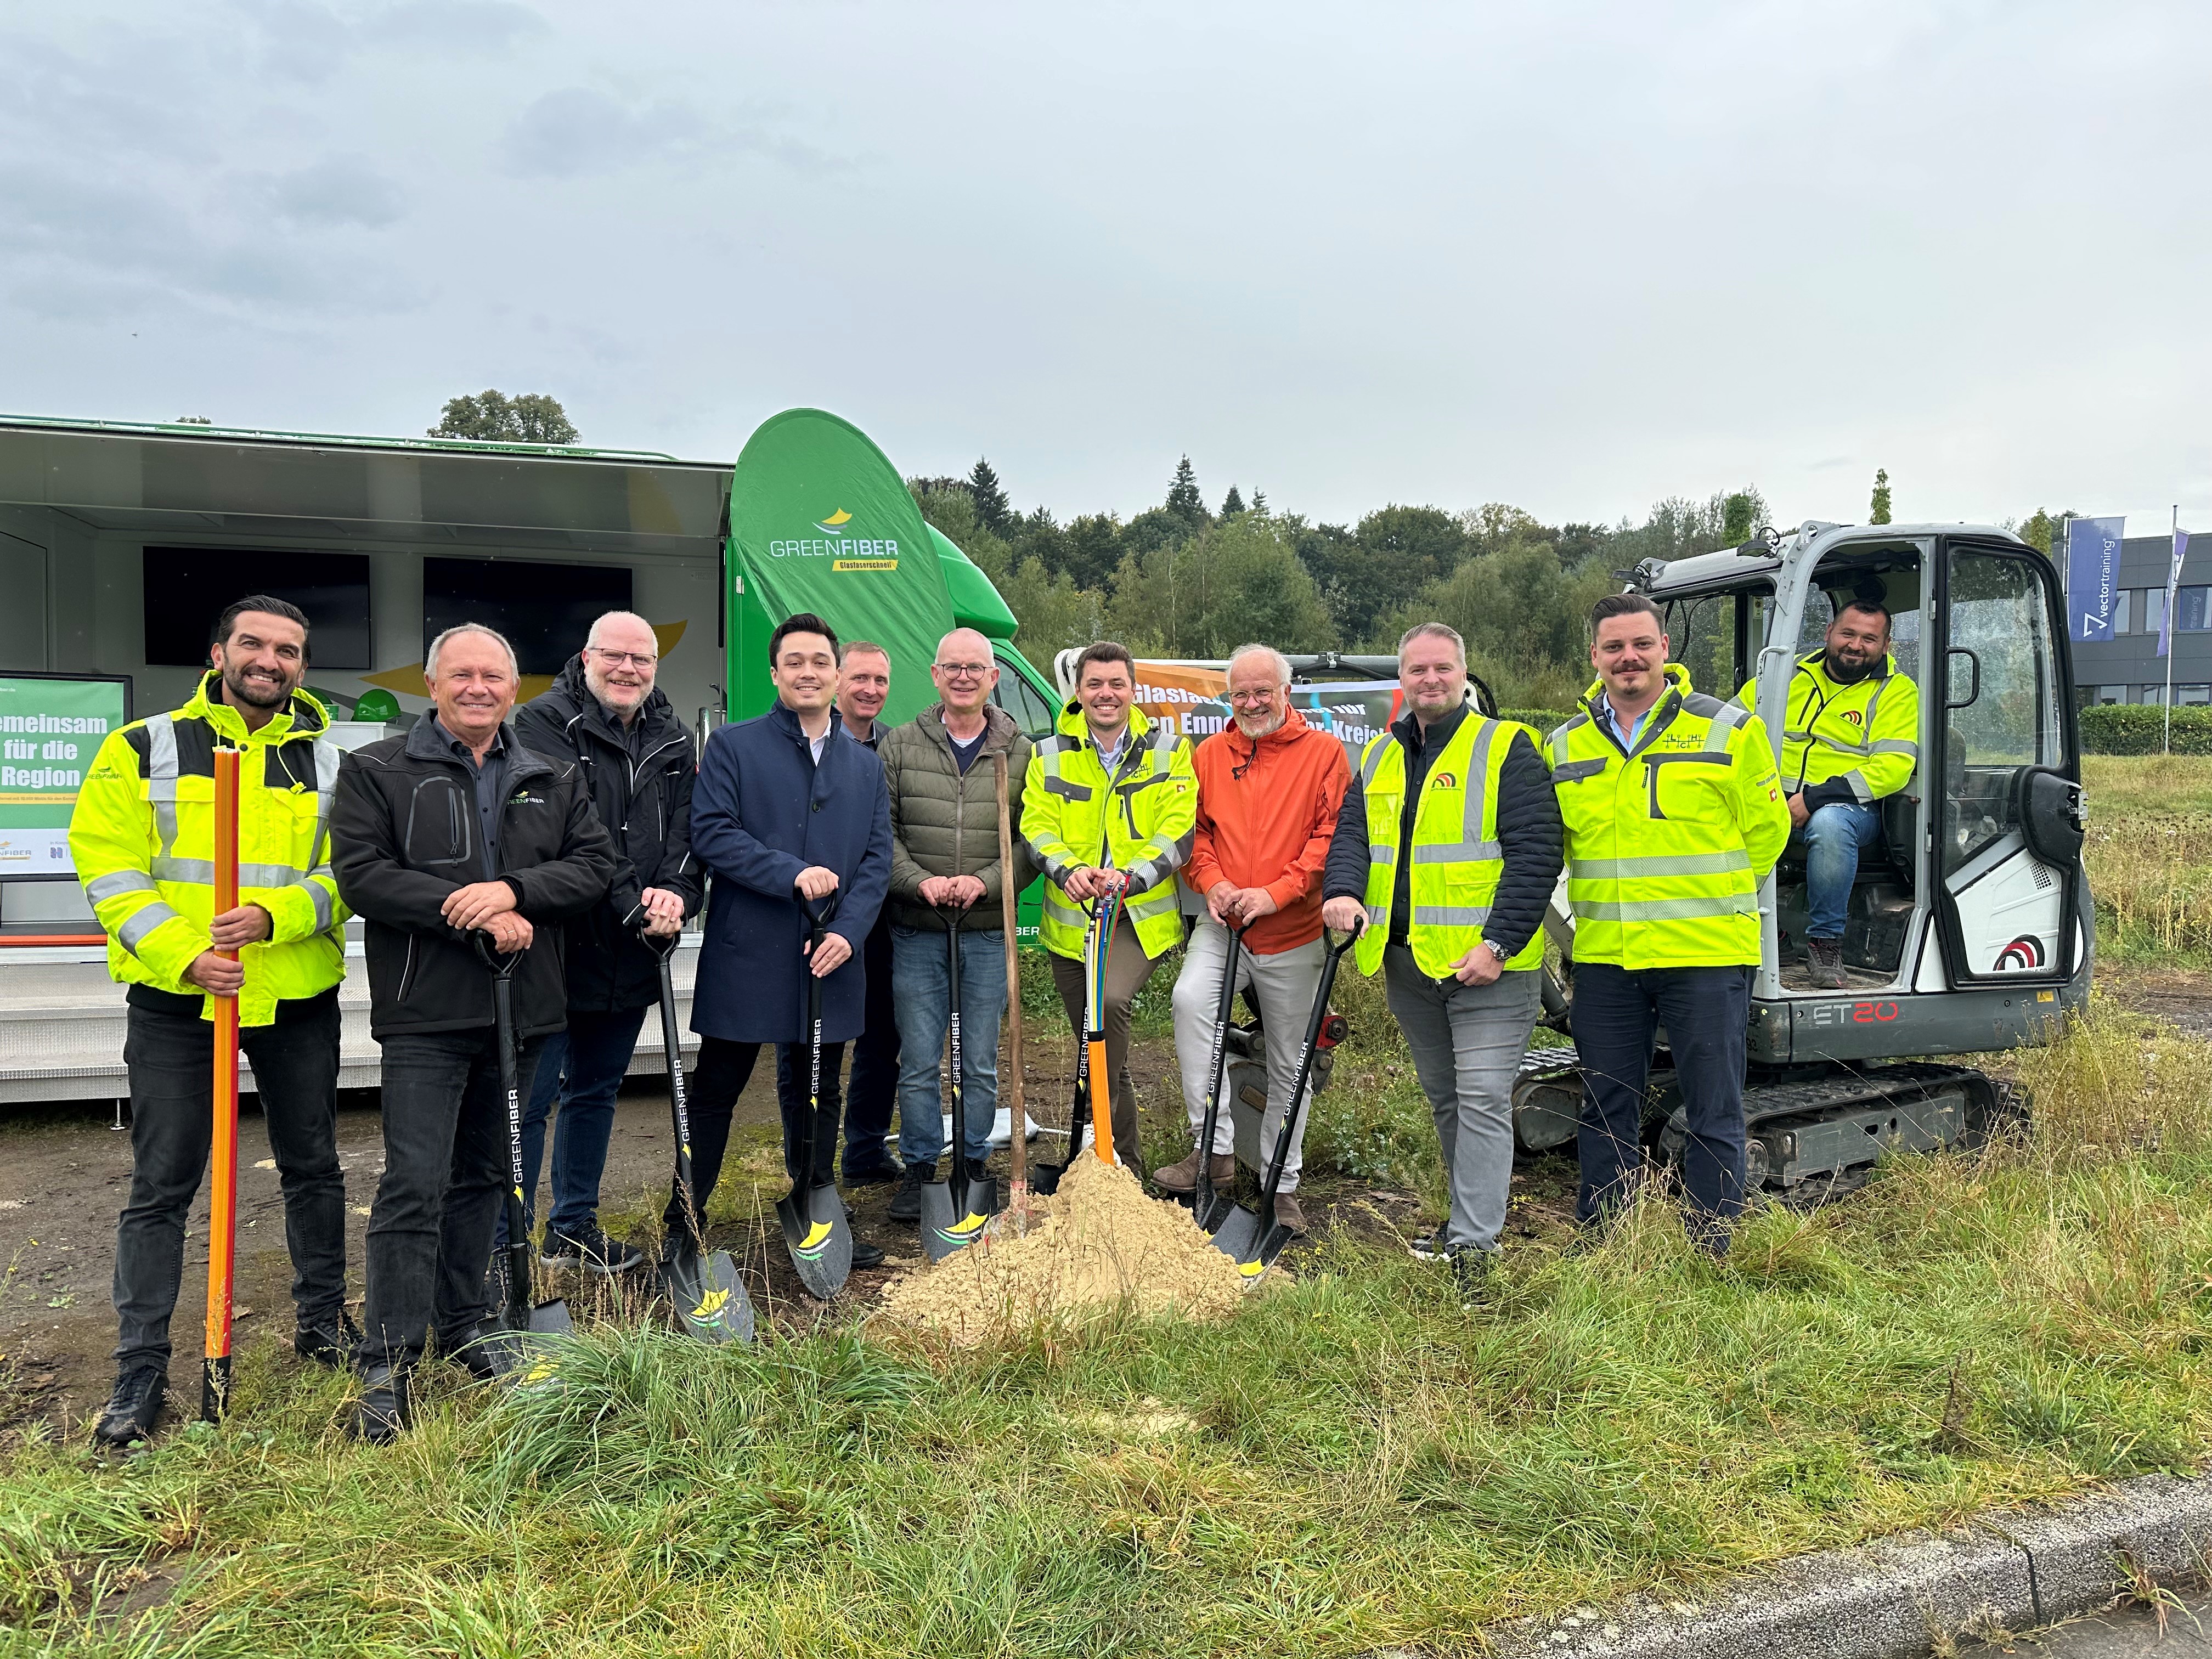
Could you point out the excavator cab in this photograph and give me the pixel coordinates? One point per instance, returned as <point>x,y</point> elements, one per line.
<point>1970,927</point>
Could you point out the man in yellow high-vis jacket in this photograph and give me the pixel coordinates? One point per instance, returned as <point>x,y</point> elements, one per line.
<point>1850,738</point>
<point>1448,847</point>
<point>143,836</point>
<point>1110,800</point>
<point>1675,816</point>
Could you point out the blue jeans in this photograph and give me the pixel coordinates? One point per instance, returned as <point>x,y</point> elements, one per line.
<point>1831,841</point>
<point>925,1012</point>
<point>1707,1014</point>
<point>583,1067</point>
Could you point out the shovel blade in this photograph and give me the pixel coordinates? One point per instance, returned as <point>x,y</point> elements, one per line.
<point>518,1356</point>
<point>1211,1209</point>
<point>951,1227</point>
<point>1238,1236</point>
<point>819,1238</point>
<point>710,1298</point>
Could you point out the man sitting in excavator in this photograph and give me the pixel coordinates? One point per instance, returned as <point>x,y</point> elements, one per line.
<point>1850,737</point>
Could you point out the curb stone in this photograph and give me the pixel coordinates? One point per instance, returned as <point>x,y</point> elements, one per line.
<point>1892,1598</point>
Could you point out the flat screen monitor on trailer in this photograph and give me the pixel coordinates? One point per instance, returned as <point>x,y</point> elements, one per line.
<point>543,608</point>
<point>187,588</point>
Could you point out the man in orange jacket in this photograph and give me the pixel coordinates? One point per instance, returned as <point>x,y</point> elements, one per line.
<point>1269,788</point>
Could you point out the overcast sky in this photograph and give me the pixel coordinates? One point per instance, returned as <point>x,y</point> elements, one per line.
<point>1576,257</point>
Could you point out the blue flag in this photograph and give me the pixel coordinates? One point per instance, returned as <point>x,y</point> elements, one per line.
<point>2092,575</point>
<point>2173,590</point>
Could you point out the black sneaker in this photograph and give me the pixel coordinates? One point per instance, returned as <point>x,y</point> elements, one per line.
<point>328,1341</point>
<point>1429,1247</point>
<point>133,1409</point>
<point>866,1254</point>
<point>591,1250</point>
<point>979,1168</point>
<point>1472,1272</point>
<point>382,1415</point>
<point>881,1173</point>
<point>905,1203</point>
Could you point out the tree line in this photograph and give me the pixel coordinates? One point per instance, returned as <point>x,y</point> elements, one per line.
<point>1186,580</point>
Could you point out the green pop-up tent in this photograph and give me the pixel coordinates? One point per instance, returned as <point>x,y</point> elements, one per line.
<point>820,520</point>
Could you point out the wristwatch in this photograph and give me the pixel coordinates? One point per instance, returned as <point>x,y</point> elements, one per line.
<point>1495,950</point>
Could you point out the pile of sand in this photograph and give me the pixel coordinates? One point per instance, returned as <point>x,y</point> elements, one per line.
<point>1101,1246</point>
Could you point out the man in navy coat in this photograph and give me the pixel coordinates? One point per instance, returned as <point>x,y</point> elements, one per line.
<point>787,805</point>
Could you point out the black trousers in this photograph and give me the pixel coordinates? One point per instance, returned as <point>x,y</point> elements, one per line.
<point>171,1058</point>
<point>1706,1012</point>
<point>446,1168</point>
<point>874,1089</point>
<point>723,1069</point>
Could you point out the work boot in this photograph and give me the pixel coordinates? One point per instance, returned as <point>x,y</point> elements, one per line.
<point>590,1249</point>
<point>880,1173</point>
<point>1182,1179</point>
<point>466,1348</point>
<point>979,1168</point>
<point>1824,965</point>
<point>1288,1214</point>
<point>133,1409</point>
<point>866,1254</point>
<point>382,1415</point>
<point>905,1203</point>
<point>329,1341</point>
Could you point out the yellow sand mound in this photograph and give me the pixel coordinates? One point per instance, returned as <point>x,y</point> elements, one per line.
<point>1101,1245</point>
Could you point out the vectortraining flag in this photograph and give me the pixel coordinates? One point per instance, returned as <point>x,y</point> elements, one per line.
<point>2173,590</point>
<point>2092,575</point>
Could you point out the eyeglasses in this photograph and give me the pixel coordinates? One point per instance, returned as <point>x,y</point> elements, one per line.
<point>963,670</point>
<point>617,658</point>
<point>1252,696</point>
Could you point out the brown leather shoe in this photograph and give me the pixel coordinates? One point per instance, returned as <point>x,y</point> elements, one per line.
<point>1288,1214</point>
<point>1182,1178</point>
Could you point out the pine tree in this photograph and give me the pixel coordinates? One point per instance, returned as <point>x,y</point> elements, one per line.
<point>1183,499</point>
<point>1232,502</point>
<point>993,510</point>
<point>1878,510</point>
<point>1258,501</point>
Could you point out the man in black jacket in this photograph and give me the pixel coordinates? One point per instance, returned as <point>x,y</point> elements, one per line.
<point>1463,979</point>
<point>605,715</point>
<point>452,831</point>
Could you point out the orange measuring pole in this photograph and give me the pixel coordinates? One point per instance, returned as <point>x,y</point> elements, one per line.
<point>223,1194</point>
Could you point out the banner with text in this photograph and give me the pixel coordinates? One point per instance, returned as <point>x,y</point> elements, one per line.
<point>50,730</point>
<point>2092,576</point>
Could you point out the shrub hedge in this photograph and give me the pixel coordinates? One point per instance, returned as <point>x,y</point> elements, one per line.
<point>2127,728</point>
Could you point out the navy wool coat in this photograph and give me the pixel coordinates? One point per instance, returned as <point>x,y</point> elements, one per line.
<point>761,812</point>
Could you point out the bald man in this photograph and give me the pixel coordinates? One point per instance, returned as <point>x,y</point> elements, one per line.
<point>945,874</point>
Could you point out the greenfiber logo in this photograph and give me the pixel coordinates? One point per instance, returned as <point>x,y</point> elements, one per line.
<point>835,524</point>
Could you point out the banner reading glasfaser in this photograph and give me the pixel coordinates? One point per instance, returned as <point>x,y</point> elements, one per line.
<point>51,727</point>
<point>820,520</point>
<point>1194,698</point>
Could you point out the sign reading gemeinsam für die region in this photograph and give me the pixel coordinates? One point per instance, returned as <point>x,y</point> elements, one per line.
<point>51,727</point>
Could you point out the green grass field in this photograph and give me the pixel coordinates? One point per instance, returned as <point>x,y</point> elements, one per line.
<point>1355,1460</point>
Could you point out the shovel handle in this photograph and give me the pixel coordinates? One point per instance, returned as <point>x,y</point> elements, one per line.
<point>502,964</point>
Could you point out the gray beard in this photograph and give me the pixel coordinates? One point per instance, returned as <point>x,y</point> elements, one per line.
<point>1244,726</point>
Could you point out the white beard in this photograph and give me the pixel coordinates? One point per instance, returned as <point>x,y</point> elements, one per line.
<point>1251,729</point>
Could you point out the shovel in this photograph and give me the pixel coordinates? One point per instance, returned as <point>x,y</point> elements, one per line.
<point>1256,1240</point>
<point>953,1215</point>
<point>709,1298</point>
<point>1209,1206</point>
<point>1093,1088</point>
<point>507,1341</point>
<point>815,1229</point>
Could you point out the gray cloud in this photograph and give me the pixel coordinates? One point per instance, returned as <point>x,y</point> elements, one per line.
<point>344,190</point>
<point>475,26</point>
<point>576,131</point>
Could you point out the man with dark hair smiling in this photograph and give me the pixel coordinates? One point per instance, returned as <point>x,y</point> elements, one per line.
<point>144,840</point>
<point>1851,737</point>
<point>789,811</point>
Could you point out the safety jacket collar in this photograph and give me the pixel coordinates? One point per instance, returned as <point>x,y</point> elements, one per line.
<point>1656,720</point>
<point>302,716</point>
<point>1075,725</point>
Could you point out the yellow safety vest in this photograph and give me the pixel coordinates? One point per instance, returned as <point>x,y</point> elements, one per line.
<point>1668,844</point>
<point>143,836</point>
<point>1140,821</point>
<point>1457,861</point>
<point>1866,733</point>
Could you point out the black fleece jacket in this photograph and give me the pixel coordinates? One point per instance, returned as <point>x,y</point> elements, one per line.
<point>1529,835</point>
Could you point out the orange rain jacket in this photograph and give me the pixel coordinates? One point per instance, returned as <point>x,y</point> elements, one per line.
<point>1266,813</point>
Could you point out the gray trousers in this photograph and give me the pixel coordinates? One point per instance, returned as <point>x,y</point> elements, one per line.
<point>1468,1042</point>
<point>1284,985</point>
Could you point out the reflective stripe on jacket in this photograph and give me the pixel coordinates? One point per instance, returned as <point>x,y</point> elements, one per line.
<point>1668,844</point>
<point>1139,821</point>
<point>1863,737</point>
<point>1457,860</point>
<point>143,836</point>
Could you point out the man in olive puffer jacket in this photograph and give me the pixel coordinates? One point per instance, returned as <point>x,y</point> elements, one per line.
<point>945,872</point>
